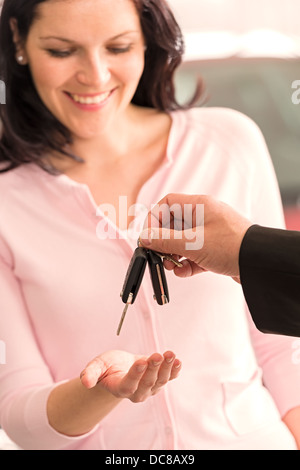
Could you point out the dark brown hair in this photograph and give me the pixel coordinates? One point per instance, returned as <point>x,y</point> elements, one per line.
<point>29,130</point>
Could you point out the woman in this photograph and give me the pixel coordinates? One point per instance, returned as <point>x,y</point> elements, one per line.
<point>91,120</point>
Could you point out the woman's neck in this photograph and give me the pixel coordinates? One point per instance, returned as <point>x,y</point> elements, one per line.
<point>125,137</point>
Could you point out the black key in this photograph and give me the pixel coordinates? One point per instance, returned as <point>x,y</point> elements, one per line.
<point>133,280</point>
<point>158,278</point>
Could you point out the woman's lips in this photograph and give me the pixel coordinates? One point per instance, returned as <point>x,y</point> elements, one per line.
<point>90,102</point>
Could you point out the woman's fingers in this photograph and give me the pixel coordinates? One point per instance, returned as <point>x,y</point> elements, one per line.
<point>149,378</point>
<point>126,377</point>
<point>131,381</point>
<point>169,370</point>
<point>160,370</point>
<point>175,369</point>
<point>164,372</point>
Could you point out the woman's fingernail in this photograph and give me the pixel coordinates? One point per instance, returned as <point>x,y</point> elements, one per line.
<point>156,363</point>
<point>82,374</point>
<point>141,367</point>
<point>169,359</point>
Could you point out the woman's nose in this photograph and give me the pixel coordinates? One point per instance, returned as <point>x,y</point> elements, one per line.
<point>94,71</point>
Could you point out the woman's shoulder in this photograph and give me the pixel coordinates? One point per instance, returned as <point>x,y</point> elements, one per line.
<point>13,180</point>
<point>9,176</point>
<point>223,121</point>
<point>224,130</point>
<point>223,134</point>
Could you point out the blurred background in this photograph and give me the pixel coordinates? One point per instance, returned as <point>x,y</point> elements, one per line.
<point>237,15</point>
<point>248,54</point>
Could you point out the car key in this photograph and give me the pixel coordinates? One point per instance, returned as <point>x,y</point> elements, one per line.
<point>158,278</point>
<point>133,279</point>
<point>170,258</point>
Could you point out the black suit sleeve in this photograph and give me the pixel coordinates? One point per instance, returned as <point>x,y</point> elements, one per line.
<point>270,277</point>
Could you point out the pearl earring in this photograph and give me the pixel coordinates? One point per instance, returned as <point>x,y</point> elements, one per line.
<point>20,59</point>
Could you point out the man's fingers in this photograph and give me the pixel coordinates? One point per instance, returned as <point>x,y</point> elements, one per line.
<point>188,269</point>
<point>164,240</point>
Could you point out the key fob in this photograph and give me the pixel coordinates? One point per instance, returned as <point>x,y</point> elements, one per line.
<point>134,275</point>
<point>158,278</point>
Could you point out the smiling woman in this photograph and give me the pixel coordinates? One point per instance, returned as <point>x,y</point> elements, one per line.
<point>86,69</point>
<point>69,72</point>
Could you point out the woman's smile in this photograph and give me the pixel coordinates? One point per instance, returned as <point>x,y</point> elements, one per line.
<point>90,102</point>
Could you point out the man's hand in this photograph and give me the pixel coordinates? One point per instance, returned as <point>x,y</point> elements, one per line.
<point>208,243</point>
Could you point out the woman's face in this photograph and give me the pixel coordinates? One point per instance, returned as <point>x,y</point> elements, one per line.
<point>86,58</point>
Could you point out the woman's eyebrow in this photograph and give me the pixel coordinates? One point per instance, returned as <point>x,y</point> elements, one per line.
<point>58,38</point>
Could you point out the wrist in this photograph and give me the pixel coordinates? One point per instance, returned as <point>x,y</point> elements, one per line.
<point>74,410</point>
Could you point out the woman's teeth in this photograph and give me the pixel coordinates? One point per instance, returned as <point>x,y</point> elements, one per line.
<point>91,99</point>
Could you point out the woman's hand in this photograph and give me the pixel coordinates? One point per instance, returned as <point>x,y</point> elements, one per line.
<point>126,375</point>
<point>76,406</point>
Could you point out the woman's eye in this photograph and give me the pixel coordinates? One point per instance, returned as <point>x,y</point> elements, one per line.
<point>114,50</point>
<point>56,53</point>
<point>119,50</point>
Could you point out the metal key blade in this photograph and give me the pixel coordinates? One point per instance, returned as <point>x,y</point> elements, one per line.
<point>170,258</point>
<point>158,278</point>
<point>124,313</point>
<point>164,298</point>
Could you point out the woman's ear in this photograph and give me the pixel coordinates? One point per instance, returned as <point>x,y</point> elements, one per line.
<point>15,31</point>
<point>20,50</point>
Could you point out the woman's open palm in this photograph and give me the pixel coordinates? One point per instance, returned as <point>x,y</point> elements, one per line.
<point>126,375</point>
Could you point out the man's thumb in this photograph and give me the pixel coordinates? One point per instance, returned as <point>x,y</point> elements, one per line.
<point>162,240</point>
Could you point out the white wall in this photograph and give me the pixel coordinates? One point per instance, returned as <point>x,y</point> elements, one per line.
<point>238,15</point>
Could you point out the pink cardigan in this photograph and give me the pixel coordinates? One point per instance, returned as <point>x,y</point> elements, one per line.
<point>60,305</point>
